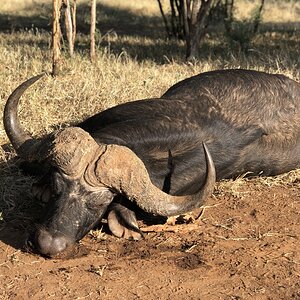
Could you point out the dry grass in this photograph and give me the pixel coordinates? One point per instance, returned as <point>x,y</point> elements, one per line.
<point>239,188</point>
<point>134,62</point>
<point>273,10</point>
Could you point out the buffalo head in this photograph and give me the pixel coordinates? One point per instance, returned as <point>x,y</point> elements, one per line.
<point>86,176</point>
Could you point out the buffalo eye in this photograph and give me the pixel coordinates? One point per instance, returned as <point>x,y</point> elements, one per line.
<point>96,201</point>
<point>93,203</point>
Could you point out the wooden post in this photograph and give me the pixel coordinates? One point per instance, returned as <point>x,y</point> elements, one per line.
<point>92,30</point>
<point>56,59</point>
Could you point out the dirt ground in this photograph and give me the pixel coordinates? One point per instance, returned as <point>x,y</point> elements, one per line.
<point>245,245</point>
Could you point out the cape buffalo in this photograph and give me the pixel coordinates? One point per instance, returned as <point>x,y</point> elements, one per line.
<point>162,154</point>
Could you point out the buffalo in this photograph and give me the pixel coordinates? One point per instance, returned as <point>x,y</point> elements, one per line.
<point>161,155</point>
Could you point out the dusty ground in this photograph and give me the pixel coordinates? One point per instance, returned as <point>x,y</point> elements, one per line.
<point>246,246</point>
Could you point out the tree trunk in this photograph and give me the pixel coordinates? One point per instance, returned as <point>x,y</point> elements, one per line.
<point>189,19</point>
<point>73,13</point>
<point>257,18</point>
<point>197,20</point>
<point>164,19</point>
<point>56,34</point>
<point>69,26</point>
<point>92,30</point>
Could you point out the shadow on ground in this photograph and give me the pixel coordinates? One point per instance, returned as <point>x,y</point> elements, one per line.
<point>18,209</point>
<point>143,37</point>
<point>122,21</point>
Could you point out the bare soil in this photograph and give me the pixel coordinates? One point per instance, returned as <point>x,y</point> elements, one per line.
<point>245,245</point>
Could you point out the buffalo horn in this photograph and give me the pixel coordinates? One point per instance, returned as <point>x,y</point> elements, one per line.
<point>16,134</point>
<point>123,172</point>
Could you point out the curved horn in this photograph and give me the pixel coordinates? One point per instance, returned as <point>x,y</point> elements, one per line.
<point>121,170</point>
<point>13,129</point>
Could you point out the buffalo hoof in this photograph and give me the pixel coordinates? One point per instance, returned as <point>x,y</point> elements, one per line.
<point>122,222</point>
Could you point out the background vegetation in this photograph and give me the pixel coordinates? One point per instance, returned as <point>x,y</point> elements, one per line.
<point>134,61</point>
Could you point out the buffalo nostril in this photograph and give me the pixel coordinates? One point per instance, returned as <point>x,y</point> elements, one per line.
<point>59,244</point>
<point>51,244</point>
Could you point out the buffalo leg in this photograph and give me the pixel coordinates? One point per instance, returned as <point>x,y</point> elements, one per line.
<point>122,222</point>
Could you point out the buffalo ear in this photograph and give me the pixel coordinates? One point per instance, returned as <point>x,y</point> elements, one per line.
<point>41,189</point>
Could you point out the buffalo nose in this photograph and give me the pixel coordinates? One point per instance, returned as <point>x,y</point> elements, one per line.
<point>51,244</point>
